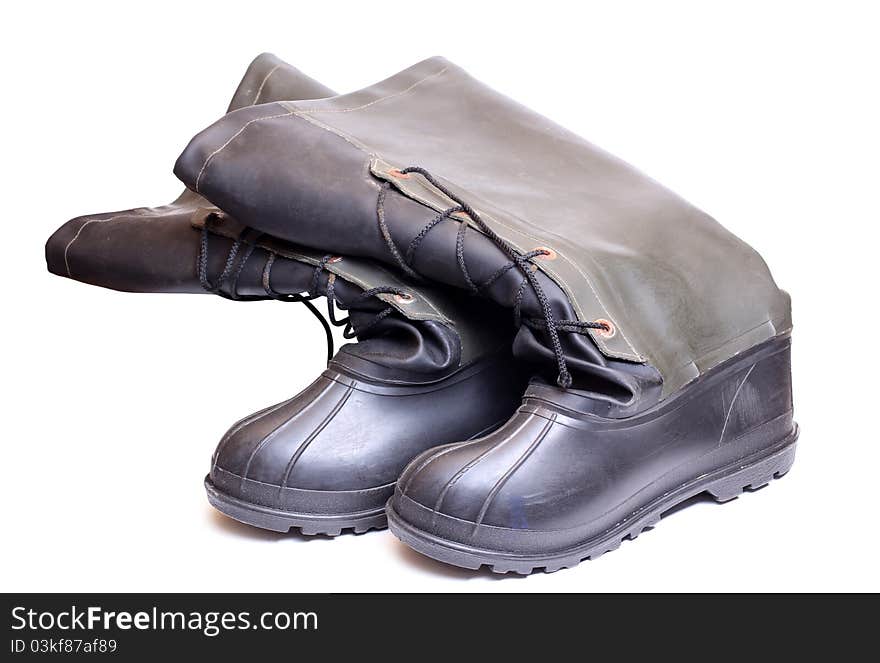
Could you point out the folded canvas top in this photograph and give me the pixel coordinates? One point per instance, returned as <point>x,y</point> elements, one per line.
<point>670,286</point>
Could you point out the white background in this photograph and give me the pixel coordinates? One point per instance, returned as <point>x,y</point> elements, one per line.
<point>764,114</point>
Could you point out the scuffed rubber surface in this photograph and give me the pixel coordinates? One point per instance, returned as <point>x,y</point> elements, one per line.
<point>723,485</point>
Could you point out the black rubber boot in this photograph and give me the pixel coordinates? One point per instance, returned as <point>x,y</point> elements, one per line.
<point>327,459</point>
<point>570,476</point>
<point>664,336</point>
<point>432,367</point>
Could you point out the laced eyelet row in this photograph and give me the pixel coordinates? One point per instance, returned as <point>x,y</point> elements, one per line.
<point>236,259</point>
<point>460,213</point>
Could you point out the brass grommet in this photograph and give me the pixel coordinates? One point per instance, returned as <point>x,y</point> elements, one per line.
<point>404,298</point>
<point>547,254</point>
<point>394,172</point>
<point>609,331</point>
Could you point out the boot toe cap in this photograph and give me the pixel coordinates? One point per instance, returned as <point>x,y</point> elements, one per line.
<point>279,458</point>
<point>503,492</point>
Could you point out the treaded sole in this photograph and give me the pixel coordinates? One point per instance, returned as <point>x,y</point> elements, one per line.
<point>284,521</point>
<point>723,485</point>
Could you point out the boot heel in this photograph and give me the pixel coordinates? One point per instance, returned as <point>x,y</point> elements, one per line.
<point>754,475</point>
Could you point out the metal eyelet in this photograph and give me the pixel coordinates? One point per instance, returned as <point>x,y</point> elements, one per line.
<point>404,298</point>
<point>394,172</point>
<point>609,331</point>
<point>548,254</point>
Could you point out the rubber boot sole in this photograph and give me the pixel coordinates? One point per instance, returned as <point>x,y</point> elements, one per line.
<point>284,521</point>
<point>723,485</point>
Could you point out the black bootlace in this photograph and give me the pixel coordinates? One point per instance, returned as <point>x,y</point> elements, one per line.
<point>235,263</point>
<point>523,261</point>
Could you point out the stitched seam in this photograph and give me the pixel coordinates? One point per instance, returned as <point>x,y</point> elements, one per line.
<point>326,127</point>
<point>81,228</point>
<point>228,142</point>
<point>260,89</point>
<point>381,99</point>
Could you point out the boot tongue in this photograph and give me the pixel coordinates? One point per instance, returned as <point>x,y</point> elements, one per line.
<point>269,78</point>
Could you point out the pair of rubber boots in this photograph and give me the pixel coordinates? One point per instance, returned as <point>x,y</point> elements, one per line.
<point>429,422</point>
